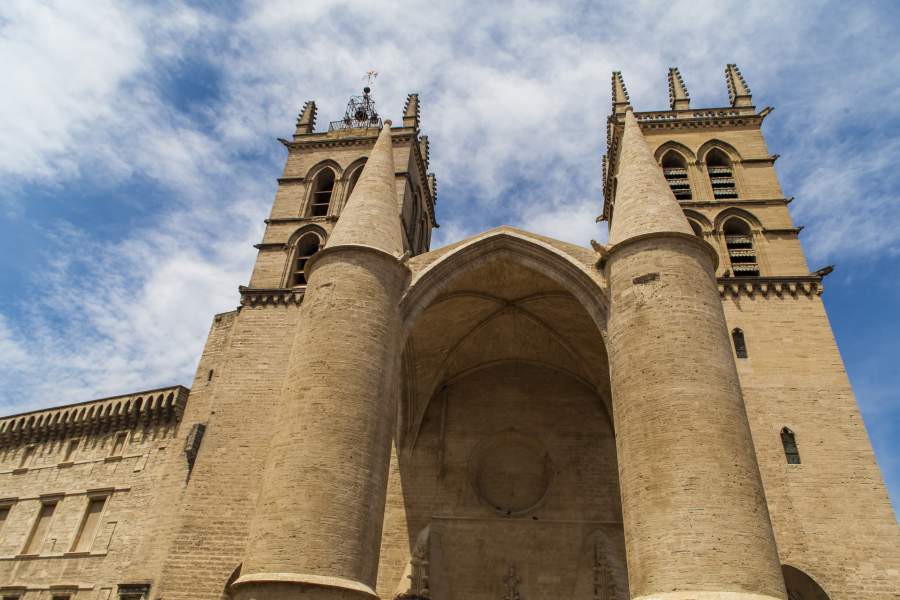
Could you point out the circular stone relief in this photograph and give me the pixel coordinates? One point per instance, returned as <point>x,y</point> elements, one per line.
<point>511,473</point>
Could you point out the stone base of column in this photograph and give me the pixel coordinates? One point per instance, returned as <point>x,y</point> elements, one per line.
<point>707,596</point>
<point>290,586</point>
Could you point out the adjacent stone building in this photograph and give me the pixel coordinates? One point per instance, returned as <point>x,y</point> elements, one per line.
<point>507,417</point>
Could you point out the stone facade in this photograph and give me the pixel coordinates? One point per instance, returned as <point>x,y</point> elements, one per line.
<point>509,416</point>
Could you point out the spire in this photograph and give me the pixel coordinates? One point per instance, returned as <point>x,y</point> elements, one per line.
<point>370,217</point>
<point>411,111</point>
<point>738,90</point>
<point>620,99</point>
<point>679,99</point>
<point>306,122</point>
<point>644,202</point>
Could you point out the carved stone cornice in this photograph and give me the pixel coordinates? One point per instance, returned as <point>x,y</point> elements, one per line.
<point>260,297</point>
<point>130,410</point>
<point>735,202</point>
<point>791,285</point>
<point>318,141</point>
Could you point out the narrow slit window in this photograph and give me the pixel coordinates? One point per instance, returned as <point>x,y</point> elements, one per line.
<point>89,525</point>
<point>119,444</point>
<point>323,187</point>
<point>27,456</point>
<point>71,450</point>
<point>789,441</point>
<point>741,253</point>
<point>40,529</point>
<point>721,174</point>
<point>306,247</point>
<point>675,171</point>
<point>4,514</point>
<point>740,344</point>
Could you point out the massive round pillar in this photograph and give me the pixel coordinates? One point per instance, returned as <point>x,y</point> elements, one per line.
<point>695,515</point>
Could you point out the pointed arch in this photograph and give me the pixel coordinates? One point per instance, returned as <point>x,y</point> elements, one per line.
<point>675,170</point>
<point>518,247</point>
<point>700,218</point>
<point>351,176</point>
<point>728,213</point>
<point>322,179</point>
<point>742,252</point>
<point>677,147</point>
<point>801,586</point>
<point>301,246</point>
<point>729,150</point>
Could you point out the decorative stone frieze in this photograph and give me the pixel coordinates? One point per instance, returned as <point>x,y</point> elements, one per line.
<point>256,297</point>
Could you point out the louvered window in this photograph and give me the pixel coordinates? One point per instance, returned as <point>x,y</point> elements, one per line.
<point>721,175</point>
<point>321,194</point>
<point>675,170</point>
<point>741,253</point>
<point>306,247</point>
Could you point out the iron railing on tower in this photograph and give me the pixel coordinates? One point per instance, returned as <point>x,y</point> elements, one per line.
<point>360,113</point>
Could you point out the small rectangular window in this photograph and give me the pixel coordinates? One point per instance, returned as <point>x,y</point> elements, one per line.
<point>89,525</point>
<point>119,444</point>
<point>40,529</point>
<point>71,450</point>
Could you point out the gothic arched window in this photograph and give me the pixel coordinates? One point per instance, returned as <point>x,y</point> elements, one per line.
<point>789,441</point>
<point>320,200</point>
<point>721,174</point>
<point>801,586</point>
<point>740,345</point>
<point>307,245</point>
<point>351,182</point>
<point>675,171</point>
<point>739,242</point>
<point>696,228</point>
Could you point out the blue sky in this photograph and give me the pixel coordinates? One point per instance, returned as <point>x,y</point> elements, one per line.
<point>138,154</point>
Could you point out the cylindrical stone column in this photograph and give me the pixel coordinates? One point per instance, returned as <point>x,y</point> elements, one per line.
<point>695,515</point>
<point>318,522</point>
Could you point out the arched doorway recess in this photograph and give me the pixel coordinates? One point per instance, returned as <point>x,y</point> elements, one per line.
<point>506,451</point>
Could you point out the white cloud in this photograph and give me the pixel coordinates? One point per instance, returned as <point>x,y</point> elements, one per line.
<point>514,98</point>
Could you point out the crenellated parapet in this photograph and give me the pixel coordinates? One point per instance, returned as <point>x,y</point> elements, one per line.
<point>116,412</point>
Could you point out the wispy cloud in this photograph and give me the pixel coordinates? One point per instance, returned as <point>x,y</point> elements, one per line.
<point>184,103</point>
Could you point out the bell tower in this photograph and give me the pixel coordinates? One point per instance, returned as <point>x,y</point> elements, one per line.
<point>676,176</point>
<point>320,173</point>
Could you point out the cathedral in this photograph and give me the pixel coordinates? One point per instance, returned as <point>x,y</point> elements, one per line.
<point>508,417</point>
